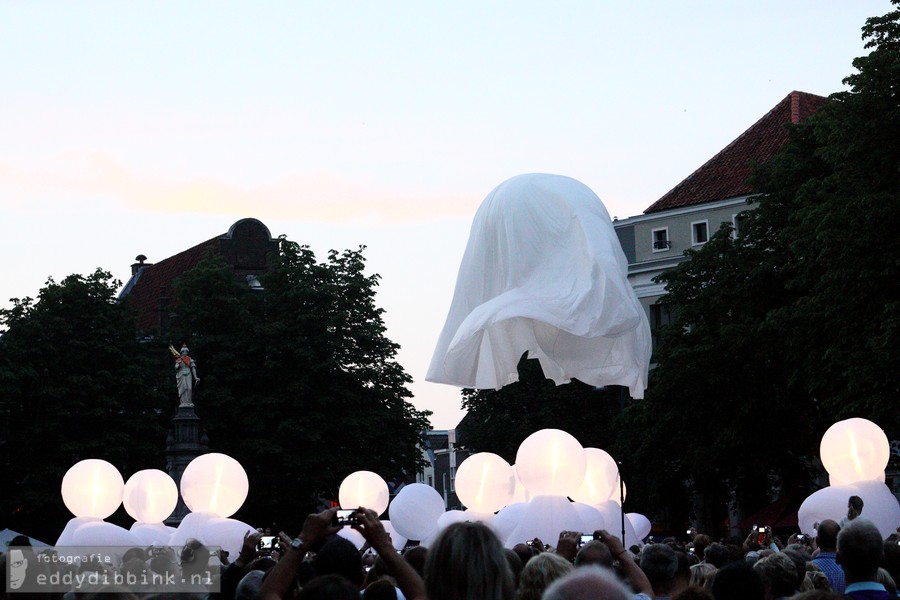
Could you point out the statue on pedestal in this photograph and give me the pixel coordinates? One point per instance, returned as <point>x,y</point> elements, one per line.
<point>185,376</point>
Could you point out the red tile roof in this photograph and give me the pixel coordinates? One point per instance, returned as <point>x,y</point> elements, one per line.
<point>150,290</point>
<point>725,174</point>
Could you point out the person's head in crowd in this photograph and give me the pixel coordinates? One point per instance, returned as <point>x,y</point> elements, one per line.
<point>826,535</point>
<point>885,579</point>
<point>751,557</point>
<point>682,573</point>
<point>716,554</point>
<point>701,543</point>
<point>817,595</point>
<point>466,561</point>
<point>524,552</point>
<point>338,556</point>
<point>735,552</point>
<point>815,579</point>
<point>135,568</point>
<point>587,583</point>
<point>859,550</point>
<point>248,587</point>
<point>329,587</point>
<point>702,575</point>
<point>262,563</point>
<point>416,557</point>
<point>694,593</point>
<point>539,573</point>
<point>892,555</point>
<point>659,564</point>
<point>380,589</point>
<point>800,557</point>
<point>738,581</point>
<point>779,576</point>
<point>594,553</point>
<point>854,507</point>
<point>194,558</point>
<point>138,553</point>
<point>515,565</point>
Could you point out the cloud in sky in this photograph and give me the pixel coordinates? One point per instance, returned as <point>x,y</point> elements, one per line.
<point>319,195</point>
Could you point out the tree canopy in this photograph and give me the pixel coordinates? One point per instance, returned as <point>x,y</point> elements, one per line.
<point>75,383</point>
<point>792,325</point>
<point>299,382</point>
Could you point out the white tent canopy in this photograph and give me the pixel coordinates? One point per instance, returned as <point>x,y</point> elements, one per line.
<point>543,273</point>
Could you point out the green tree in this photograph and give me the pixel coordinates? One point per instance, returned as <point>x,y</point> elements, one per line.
<point>74,384</point>
<point>298,381</point>
<point>793,325</point>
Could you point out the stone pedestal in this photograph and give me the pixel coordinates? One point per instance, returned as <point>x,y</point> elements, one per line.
<point>186,441</point>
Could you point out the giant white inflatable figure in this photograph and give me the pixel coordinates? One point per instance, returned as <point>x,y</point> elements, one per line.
<point>543,273</point>
<point>855,453</point>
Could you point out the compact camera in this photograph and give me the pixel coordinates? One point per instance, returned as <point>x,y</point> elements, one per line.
<point>345,517</point>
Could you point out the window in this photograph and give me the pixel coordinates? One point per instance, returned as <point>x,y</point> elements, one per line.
<point>736,221</point>
<point>660,315</point>
<point>699,232</point>
<point>431,480</point>
<point>661,239</point>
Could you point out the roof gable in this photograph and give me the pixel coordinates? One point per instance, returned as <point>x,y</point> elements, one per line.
<point>725,174</point>
<point>151,292</point>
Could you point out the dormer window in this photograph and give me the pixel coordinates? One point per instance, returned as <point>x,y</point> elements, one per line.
<point>661,241</point>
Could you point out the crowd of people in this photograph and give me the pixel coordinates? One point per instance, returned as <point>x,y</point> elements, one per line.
<point>467,561</point>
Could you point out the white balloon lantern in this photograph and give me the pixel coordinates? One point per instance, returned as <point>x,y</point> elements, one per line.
<point>415,511</point>
<point>640,523</point>
<point>590,516</point>
<point>508,519</point>
<point>520,494</point>
<point>485,482</point>
<point>92,488</point>
<point>550,462</point>
<point>366,489</point>
<point>398,541</point>
<point>150,496</point>
<point>854,450</point>
<point>600,478</point>
<point>879,506</point>
<point>215,484</point>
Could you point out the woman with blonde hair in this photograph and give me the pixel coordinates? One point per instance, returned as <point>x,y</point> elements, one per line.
<point>467,562</point>
<point>539,573</point>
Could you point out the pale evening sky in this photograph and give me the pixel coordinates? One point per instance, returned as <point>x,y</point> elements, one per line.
<point>148,127</point>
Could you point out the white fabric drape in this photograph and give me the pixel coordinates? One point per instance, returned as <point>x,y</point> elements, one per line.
<point>543,272</point>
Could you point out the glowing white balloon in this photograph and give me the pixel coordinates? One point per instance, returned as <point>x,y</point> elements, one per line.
<point>544,517</point>
<point>215,484</point>
<point>485,482</point>
<point>397,540</point>
<point>550,462</point>
<point>506,521</point>
<point>879,506</point>
<point>415,511</point>
<point>520,494</point>
<point>366,489</point>
<point>150,496</point>
<point>92,488</point>
<point>612,514</point>
<point>619,494</point>
<point>854,450</point>
<point>640,523</point>
<point>353,536</point>
<point>599,483</point>
<point>590,516</point>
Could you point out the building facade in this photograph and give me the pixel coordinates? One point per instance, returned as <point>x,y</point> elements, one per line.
<point>715,194</point>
